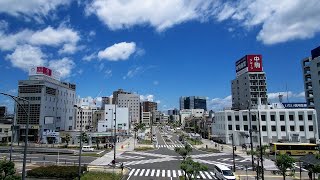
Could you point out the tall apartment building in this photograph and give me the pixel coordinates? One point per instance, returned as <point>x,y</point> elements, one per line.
<point>250,83</point>
<point>116,93</point>
<point>51,105</point>
<point>149,106</point>
<point>311,78</point>
<point>132,102</point>
<point>87,118</point>
<point>193,102</point>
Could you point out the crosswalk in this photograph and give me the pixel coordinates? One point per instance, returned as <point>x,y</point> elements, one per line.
<point>169,146</point>
<point>168,173</point>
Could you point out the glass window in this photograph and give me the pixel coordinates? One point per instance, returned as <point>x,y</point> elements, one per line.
<point>310,117</point>
<point>273,117</point>
<point>301,128</point>
<point>264,128</point>
<point>237,127</point>
<point>230,127</point>
<point>245,127</point>
<point>291,128</point>
<point>300,117</point>
<point>281,117</point>
<point>229,118</point>
<point>263,117</point>
<point>237,118</point>
<point>291,117</point>
<point>283,128</point>
<point>245,118</point>
<point>310,128</point>
<point>254,127</point>
<point>273,128</point>
<point>254,118</point>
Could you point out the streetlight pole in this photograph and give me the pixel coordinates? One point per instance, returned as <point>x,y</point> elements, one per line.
<point>115,133</point>
<point>261,151</point>
<point>233,156</point>
<point>250,134</point>
<point>26,134</point>
<point>80,149</point>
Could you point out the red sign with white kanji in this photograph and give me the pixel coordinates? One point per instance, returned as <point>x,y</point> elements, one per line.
<point>254,63</point>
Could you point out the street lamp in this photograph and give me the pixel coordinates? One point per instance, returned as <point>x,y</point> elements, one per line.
<point>233,156</point>
<point>80,150</point>
<point>250,134</point>
<point>115,132</point>
<point>27,127</point>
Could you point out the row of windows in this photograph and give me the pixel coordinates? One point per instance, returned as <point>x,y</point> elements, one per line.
<point>30,89</point>
<point>272,117</point>
<point>273,128</point>
<point>33,98</point>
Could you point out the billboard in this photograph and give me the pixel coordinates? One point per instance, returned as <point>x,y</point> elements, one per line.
<point>40,70</point>
<point>249,63</point>
<point>294,105</point>
<point>48,120</point>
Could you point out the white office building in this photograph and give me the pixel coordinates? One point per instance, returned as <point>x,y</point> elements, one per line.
<point>132,102</point>
<point>186,113</point>
<point>115,117</point>
<point>276,124</point>
<point>146,118</point>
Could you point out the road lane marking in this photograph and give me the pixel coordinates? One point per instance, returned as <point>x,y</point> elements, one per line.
<point>179,173</point>
<point>163,173</point>
<point>202,175</point>
<point>142,171</point>
<point>208,175</point>
<point>135,174</point>
<point>147,172</point>
<point>169,173</point>
<point>174,173</point>
<point>152,172</point>
<point>131,172</point>
<point>158,173</point>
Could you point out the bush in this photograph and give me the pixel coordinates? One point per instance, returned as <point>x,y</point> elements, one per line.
<point>210,150</point>
<point>145,142</point>
<point>143,148</point>
<point>101,176</point>
<point>64,172</point>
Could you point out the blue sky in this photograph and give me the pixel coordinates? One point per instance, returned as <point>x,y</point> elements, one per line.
<point>160,49</point>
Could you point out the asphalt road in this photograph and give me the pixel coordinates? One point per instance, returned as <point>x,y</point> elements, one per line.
<point>164,162</point>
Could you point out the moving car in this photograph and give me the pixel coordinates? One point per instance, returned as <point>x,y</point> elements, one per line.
<point>223,172</point>
<point>87,149</point>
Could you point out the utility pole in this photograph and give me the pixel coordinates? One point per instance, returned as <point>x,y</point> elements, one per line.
<point>233,157</point>
<point>250,134</point>
<point>115,134</point>
<point>261,150</point>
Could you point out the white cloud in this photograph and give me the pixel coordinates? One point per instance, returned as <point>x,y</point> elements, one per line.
<point>26,56</point>
<point>4,25</point>
<point>291,96</point>
<point>116,52</point>
<point>36,9</point>
<point>281,21</point>
<point>133,72</point>
<point>89,57</point>
<point>108,73</point>
<point>161,14</point>
<point>64,66</point>
<point>11,41</point>
<point>218,104</point>
<point>92,33</point>
<point>147,97</point>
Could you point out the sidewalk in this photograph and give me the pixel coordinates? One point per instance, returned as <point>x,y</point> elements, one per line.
<point>121,147</point>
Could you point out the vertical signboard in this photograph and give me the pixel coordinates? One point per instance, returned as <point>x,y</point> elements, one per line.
<point>241,66</point>
<point>254,63</point>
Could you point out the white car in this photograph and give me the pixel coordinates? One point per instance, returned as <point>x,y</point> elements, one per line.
<point>223,172</point>
<point>87,149</point>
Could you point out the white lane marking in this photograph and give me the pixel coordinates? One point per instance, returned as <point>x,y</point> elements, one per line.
<point>174,173</point>
<point>147,172</point>
<point>212,174</point>
<point>169,173</point>
<point>163,173</point>
<point>131,172</point>
<point>208,175</point>
<point>179,173</point>
<point>135,174</point>
<point>158,173</point>
<point>142,171</point>
<point>202,175</point>
<point>152,172</point>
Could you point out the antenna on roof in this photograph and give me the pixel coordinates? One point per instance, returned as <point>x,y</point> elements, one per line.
<point>287,92</point>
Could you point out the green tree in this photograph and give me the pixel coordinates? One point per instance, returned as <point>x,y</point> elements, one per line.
<point>192,168</point>
<point>138,127</point>
<point>7,170</point>
<point>67,138</point>
<point>284,162</point>
<point>183,151</point>
<point>84,137</point>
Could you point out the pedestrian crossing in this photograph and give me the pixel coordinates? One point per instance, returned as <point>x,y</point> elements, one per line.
<point>170,146</point>
<point>168,173</point>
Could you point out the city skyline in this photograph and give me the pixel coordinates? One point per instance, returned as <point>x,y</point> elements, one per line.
<point>191,52</point>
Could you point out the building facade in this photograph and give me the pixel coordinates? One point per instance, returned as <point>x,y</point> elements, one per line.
<point>3,111</point>
<point>250,83</point>
<point>105,100</point>
<point>146,118</point>
<point>116,93</point>
<point>149,106</point>
<point>51,105</point>
<point>276,124</point>
<point>311,79</point>
<point>132,102</point>
<point>193,102</point>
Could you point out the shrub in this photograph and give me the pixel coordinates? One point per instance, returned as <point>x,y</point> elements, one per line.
<point>101,176</point>
<point>210,150</point>
<point>143,148</point>
<point>65,172</point>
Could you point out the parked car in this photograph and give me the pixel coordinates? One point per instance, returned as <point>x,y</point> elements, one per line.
<point>223,172</point>
<point>87,149</point>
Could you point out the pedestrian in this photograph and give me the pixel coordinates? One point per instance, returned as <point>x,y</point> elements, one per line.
<point>221,147</point>
<point>121,166</point>
<point>310,175</point>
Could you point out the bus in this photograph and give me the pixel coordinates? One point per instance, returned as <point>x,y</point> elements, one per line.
<point>294,148</point>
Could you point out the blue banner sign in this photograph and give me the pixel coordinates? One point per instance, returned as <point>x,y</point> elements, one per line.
<point>294,105</point>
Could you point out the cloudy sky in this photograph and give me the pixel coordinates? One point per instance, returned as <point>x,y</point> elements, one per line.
<point>161,49</point>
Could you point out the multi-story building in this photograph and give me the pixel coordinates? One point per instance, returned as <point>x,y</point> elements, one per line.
<point>311,78</point>
<point>87,118</point>
<point>51,105</point>
<point>156,116</point>
<point>250,83</point>
<point>116,93</point>
<point>132,102</point>
<point>3,111</point>
<point>275,122</point>
<point>115,117</point>
<point>193,102</point>
<point>146,118</point>
<point>105,100</point>
<point>173,111</point>
<point>149,106</point>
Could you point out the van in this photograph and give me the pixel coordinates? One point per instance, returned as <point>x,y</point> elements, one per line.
<point>87,148</point>
<point>223,172</point>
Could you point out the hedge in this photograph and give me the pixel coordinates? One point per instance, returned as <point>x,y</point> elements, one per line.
<point>64,172</point>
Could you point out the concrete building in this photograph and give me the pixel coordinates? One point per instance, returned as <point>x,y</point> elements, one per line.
<point>112,113</point>
<point>250,83</point>
<point>51,105</point>
<point>116,93</point>
<point>193,102</point>
<point>164,118</point>
<point>87,118</point>
<point>132,102</point>
<point>105,100</point>
<point>276,124</point>
<point>311,78</point>
<point>146,118</point>
<point>3,111</point>
<point>173,111</point>
<point>156,116</point>
<point>149,106</point>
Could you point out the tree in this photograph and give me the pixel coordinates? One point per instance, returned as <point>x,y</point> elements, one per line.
<point>84,137</point>
<point>284,162</point>
<point>192,168</point>
<point>68,138</point>
<point>137,127</point>
<point>7,170</point>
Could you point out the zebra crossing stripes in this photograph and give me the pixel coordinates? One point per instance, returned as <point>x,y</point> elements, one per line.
<point>168,173</point>
<point>169,146</point>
